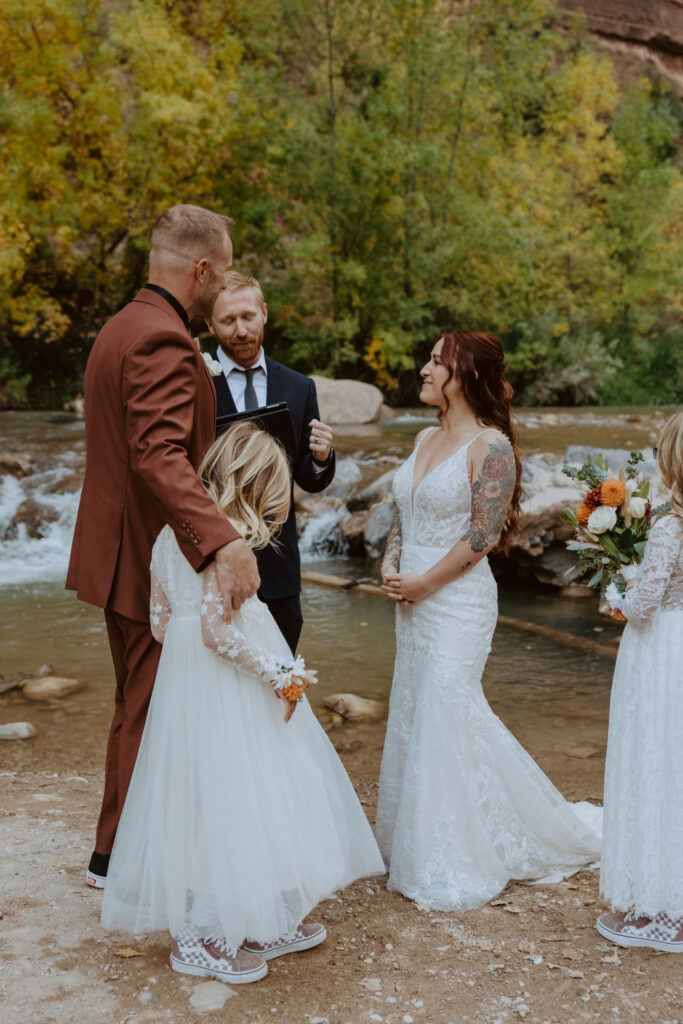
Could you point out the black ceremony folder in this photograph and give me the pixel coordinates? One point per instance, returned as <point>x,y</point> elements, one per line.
<point>276,419</point>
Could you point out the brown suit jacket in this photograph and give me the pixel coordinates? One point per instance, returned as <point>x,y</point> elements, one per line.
<point>150,413</point>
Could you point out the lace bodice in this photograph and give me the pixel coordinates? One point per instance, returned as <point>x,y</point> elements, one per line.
<point>437,513</point>
<point>176,589</point>
<point>659,584</point>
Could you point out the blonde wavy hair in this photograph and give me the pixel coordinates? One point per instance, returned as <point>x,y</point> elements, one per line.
<point>247,474</point>
<point>670,460</point>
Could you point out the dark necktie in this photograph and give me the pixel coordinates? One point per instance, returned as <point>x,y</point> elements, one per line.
<point>250,399</point>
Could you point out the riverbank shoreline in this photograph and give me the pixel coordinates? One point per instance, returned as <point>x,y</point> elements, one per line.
<point>532,954</point>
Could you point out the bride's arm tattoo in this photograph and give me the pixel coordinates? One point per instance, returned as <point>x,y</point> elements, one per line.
<point>492,492</point>
<point>392,551</point>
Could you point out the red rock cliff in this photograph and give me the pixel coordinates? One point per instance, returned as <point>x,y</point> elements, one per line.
<point>644,30</point>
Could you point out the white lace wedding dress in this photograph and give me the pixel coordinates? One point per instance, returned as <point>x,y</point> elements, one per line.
<point>642,862</point>
<point>235,822</point>
<point>462,807</point>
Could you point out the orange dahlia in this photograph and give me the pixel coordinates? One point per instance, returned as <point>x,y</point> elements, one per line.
<point>294,691</point>
<point>582,513</point>
<point>613,492</point>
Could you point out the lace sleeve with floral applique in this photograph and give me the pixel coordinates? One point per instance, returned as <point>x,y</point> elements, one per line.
<point>227,641</point>
<point>159,609</point>
<point>659,583</point>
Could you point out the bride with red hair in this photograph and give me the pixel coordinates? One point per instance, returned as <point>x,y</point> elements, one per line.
<point>462,807</point>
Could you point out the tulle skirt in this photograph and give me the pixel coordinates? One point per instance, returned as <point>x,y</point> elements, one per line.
<point>642,863</point>
<point>234,821</point>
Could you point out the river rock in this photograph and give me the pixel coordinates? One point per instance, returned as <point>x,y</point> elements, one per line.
<point>17,731</point>
<point>375,492</point>
<point>348,401</point>
<point>76,406</point>
<point>211,995</point>
<point>70,484</point>
<point>617,458</point>
<point>352,530</point>
<point>347,474</point>
<point>16,464</point>
<point>50,687</point>
<point>355,708</point>
<point>377,528</point>
<point>33,517</point>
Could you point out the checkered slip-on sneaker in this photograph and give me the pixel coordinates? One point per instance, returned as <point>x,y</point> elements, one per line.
<point>305,937</point>
<point>213,958</point>
<point>660,932</point>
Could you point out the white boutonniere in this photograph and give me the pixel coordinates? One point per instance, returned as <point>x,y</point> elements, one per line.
<point>215,368</point>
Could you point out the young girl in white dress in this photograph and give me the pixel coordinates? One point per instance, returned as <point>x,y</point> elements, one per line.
<point>642,860</point>
<point>240,817</point>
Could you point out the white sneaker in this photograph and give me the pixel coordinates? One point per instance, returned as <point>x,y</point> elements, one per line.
<point>305,937</point>
<point>212,957</point>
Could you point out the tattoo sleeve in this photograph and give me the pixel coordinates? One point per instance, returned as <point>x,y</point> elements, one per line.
<point>492,492</point>
<point>392,551</point>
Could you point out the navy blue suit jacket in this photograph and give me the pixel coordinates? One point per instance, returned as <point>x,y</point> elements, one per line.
<point>280,567</point>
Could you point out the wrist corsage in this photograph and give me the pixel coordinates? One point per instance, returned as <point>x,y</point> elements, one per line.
<point>615,600</point>
<point>291,680</point>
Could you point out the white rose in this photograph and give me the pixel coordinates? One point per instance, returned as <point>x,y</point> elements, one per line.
<point>215,368</point>
<point>637,507</point>
<point>604,517</point>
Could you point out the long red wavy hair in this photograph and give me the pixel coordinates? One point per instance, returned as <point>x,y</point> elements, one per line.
<point>477,362</point>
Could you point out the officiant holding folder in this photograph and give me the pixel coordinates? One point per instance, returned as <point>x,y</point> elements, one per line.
<point>251,381</point>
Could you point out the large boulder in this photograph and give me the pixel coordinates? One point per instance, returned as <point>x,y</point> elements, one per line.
<point>377,491</point>
<point>547,494</point>
<point>377,527</point>
<point>348,401</point>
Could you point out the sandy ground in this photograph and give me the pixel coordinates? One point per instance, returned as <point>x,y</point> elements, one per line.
<point>532,954</point>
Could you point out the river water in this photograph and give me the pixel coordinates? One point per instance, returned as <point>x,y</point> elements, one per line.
<point>347,636</point>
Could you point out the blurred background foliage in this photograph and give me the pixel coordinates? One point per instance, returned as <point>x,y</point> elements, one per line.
<point>395,169</point>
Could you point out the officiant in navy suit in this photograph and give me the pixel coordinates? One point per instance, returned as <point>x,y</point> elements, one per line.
<point>250,380</point>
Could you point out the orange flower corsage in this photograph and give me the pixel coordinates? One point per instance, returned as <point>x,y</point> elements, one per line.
<point>291,682</point>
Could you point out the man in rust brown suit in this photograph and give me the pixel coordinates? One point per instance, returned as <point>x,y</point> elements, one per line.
<point>149,418</point>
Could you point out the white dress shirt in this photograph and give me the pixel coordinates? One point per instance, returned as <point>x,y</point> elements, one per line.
<point>237,381</point>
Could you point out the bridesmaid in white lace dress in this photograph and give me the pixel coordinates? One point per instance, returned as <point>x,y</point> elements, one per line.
<point>238,820</point>
<point>462,807</point>
<point>642,860</point>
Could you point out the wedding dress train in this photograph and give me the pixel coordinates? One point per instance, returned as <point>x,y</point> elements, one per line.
<point>462,807</point>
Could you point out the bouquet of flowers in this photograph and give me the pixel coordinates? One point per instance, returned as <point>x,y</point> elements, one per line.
<point>612,523</point>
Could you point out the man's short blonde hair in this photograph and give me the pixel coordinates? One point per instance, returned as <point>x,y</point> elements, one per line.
<point>187,230</point>
<point>235,282</point>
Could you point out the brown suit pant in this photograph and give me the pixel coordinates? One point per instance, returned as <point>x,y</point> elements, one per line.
<point>135,654</point>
